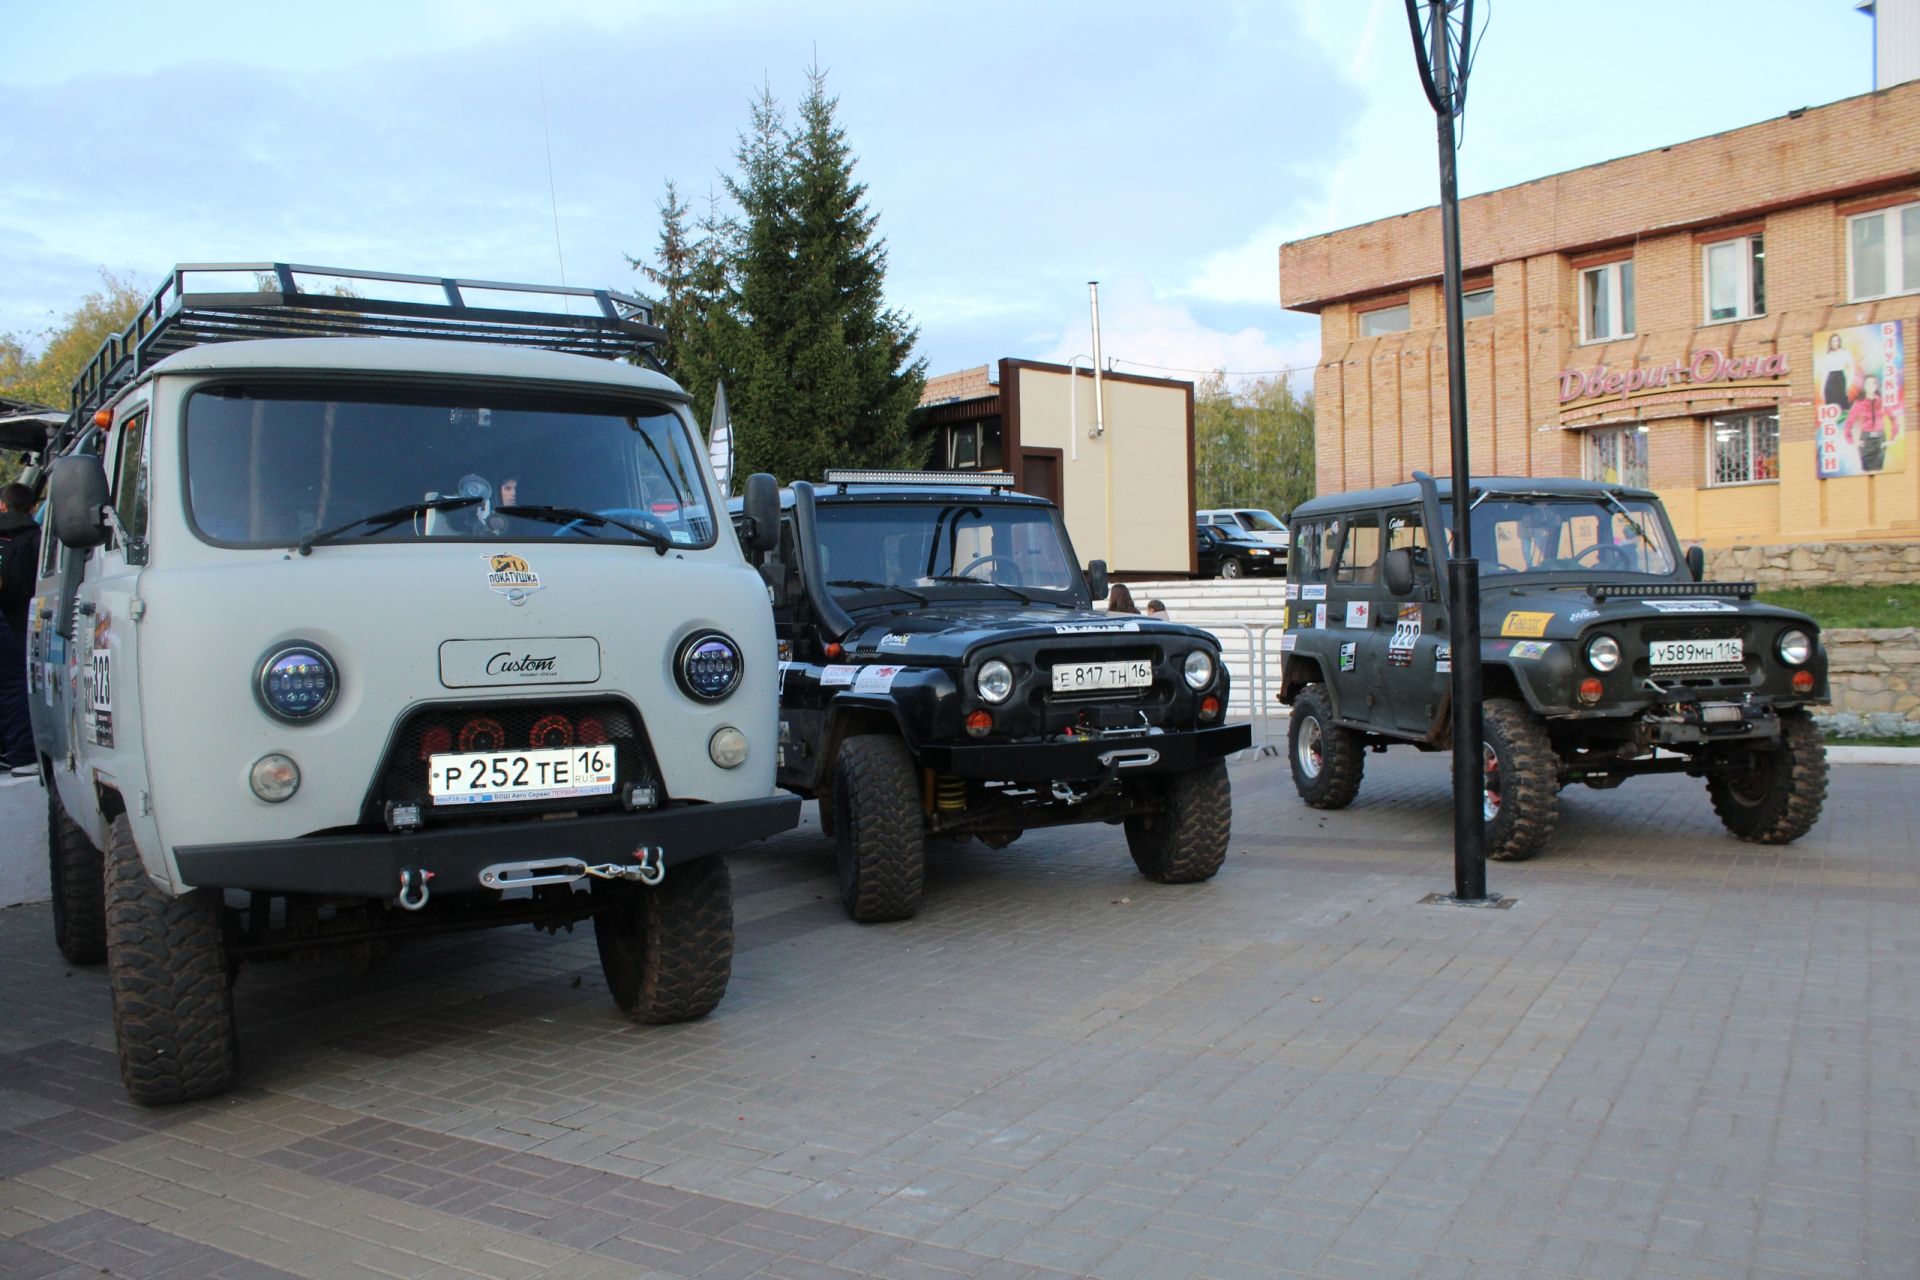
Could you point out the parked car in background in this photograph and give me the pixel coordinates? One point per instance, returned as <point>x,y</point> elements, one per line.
<point>1224,554</point>
<point>1248,522</point>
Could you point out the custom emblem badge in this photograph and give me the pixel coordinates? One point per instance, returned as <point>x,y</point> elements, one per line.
<point>512,577</point>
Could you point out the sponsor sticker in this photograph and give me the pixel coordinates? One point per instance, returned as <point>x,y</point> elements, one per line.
<point>837,674</point>
<point>875,679</point>
<point>1287,640</point>
<point>1347,652</point>
<point>1531,648</point>
<point>1359,614</point>
<point>1313,591</point>
<point>511,576</point>
<point>895,640</point>
<point>1092,628</point>
<point>1443,658</point>
<point>1293,591</point>
<point>1525,624</point>
<point>1581,615</point>
<point>1320,615</point>
<point>1690,606</point>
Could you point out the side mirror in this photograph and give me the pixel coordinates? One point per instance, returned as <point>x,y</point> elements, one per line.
<point>1396,570</point>
<point>77,497</point>
<point>1097,579</point>
<point>1697,562</point>
<point>762,509</point>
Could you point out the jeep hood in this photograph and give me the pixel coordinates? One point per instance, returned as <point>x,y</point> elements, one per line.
<point>948,632</point>
<point>1564,611</point>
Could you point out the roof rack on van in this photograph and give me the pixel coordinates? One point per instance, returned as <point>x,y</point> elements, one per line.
<point>971,479</point>
<point>272,300</point>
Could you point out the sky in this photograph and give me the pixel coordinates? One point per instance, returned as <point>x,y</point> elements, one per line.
<point>1013,151</point>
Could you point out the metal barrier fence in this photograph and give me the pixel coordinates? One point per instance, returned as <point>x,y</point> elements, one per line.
<point>1257,666</point>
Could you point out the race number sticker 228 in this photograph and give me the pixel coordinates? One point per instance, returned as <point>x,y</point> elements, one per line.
<point>1406,636</point>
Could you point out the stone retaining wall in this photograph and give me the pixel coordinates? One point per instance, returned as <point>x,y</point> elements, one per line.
<point>1875,678</point>
<point>1817,564</point>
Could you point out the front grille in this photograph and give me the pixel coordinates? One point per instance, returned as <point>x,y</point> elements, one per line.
<point>1693,631</point>
<point>507,726</point>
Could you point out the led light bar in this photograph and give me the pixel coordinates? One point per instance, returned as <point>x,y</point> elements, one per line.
<point>1672,590</point>
<point>972,479</point>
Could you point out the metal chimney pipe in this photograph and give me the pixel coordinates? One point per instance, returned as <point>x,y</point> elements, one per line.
<point>1099,400</point>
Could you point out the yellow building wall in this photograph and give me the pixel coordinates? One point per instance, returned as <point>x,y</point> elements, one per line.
<point>1128,494</point>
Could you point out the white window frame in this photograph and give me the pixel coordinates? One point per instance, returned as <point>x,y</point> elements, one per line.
<point>1612,274</point>
<point>1378,311</point>
<point>1744,308</point>
<point>1896,271</point>
<point>1752,419</point>
<point>1586,452</point>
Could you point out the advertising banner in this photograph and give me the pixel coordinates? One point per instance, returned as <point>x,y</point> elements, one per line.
<point>1860,388</point>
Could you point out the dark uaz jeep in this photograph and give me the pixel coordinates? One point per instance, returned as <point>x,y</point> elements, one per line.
<point>943,673</point>
<point>1604,656</point>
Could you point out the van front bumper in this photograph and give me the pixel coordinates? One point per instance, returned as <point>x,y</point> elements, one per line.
<point>373,864</point>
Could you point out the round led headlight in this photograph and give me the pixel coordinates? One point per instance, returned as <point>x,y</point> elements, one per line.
<point>1198,669</point>
<point>274,777</point>
<point>1795,647</point>
<point>1603,653</point>
<point>727,747</point>
<point>709,666</point>
<point>995,681</point>
<point>296,682</point>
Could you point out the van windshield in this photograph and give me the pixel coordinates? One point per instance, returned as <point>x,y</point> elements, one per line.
<point>1260,522</point>
<point>272,465</point>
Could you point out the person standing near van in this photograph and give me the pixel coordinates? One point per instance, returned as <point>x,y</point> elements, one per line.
<point>19,564</point>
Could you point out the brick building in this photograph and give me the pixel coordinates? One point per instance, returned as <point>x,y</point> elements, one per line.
<point>1730,320</point>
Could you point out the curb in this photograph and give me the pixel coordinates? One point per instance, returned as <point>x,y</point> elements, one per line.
<point>1909,756</point>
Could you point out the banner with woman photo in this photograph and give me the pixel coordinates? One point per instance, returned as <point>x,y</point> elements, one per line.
<point>1860,389</point>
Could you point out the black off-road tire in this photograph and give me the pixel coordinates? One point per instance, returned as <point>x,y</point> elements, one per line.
<point>167,969</point>
<point>1528,780</point>
<point>1186,841</point>
<point>882,838</point>
<point>1778,799</point>
<point>1229,567</point>
<point>667,950</point>
<point>1327,775</point>
<point>78,875</point>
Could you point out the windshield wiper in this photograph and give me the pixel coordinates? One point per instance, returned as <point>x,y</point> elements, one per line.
<point>659,541</point>
<point>1022,596</point>
<point>867,585</point>
<point>386,519</point>
<point>1621,507</point>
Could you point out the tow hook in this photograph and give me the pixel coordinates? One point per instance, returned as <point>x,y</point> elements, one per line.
<point>413,888</point>
<point>650,868</point>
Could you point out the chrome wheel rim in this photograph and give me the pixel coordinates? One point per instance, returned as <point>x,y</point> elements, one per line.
<point>1490,765</point>
<point>1310,748</point>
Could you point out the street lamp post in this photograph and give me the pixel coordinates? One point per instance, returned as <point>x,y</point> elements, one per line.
<point>1444,62</point>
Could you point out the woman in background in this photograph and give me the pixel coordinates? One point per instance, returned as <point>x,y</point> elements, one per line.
<point>1120,600</point>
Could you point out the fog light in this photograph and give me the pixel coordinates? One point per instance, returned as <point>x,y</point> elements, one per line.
<point>274,778</point>
<point>1591,689</point>
<point>1803,682</point>
<point>1209,708</point>
<point>728,747</point>
<point>980,724</point>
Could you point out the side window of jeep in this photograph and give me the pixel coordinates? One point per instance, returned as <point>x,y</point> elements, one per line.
<point>1360,553</point>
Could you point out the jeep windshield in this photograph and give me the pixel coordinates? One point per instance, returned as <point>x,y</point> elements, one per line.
<point>1595,536</point>
<point>878,552</point>
<point>275,465</point>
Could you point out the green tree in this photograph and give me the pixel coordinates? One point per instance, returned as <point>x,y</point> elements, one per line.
<point>785,301</point>
<point>1253,447</point>
<point>47,377</point>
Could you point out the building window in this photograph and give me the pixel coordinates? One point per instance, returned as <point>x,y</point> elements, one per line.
<point>1385,320</point>
<point>1476,303</point>
<point>1743,448</point>
<point>1606,302</point>
<point>1618,455</point>
<point>1735,273</point>
<point>1883,252</point>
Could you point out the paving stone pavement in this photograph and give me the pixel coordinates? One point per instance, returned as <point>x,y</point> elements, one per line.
<point>1677,1056</point>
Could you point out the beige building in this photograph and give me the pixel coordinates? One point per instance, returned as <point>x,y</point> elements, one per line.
<point>1121,472</point>
<point>1731,321</point>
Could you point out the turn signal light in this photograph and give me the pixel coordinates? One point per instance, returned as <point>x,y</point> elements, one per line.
<point>1209,708</point>
<point>1591,689</point>
<point>834,650</point>
<point>980,724</point>
<point>1803,682</point>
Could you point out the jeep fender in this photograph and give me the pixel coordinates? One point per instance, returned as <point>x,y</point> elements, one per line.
<point>849,716</point>
<point>1300,671</point>
<point>1545,684</point>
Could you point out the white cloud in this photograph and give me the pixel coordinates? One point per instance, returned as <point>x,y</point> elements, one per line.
<point>1141,334</point>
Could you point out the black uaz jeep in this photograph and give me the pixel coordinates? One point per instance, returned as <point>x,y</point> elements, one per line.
<point>1603,653</point>
<point>943,673</point>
